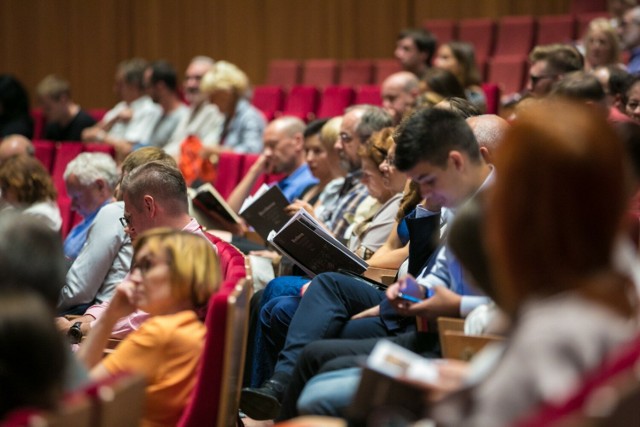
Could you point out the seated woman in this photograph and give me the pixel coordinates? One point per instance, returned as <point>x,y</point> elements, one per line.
<point>174,273</point>
<point>15,115</point>
<point>437,85</point>
<point>554,266</point>
<point>459,58</point>
<point>32,356</point>
<point>27,186</point>
<point>601,45</point>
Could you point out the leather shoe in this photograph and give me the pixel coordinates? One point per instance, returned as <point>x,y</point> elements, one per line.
<point>262,403</point>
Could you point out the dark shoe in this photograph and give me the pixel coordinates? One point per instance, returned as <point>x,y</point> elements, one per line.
<point>262,403</point>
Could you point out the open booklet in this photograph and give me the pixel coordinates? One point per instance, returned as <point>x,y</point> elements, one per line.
<point>264,211</point>
<point>313,248</point>
<point>207,200</point>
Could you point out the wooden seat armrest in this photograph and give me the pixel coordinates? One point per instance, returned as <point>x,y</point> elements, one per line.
<point>383,275</point>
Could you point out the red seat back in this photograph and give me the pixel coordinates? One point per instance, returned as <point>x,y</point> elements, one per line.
<point>230,172</point>
<point>508,72</point>
<point>479,32</point>
<point>284,72</point>
<point>492,95</point>
<point>354,72</point>
<point>369,94</point>
<point>302,102</point>
<point>444,29</point>
<point>383,68</point>
<point>334,100</point>
<point>515,35</point>
<point>556,29</point>
<point>320,72</point>
<point>269,100</point>
<point>39,122</point>
<point>45,151</point>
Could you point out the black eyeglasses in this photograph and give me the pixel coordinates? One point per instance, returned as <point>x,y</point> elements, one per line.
<point>125,221</point>
<point>536,79</point>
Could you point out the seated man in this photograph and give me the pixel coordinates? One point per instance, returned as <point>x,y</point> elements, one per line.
<point>15,145</point>
<point>438,150</point>
<point>90,179</point>
<point>65,119</point>
<point>133,119</point>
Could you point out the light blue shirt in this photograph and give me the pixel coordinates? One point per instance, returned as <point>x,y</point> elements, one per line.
<point>293,185</point>
<point>78,235</point>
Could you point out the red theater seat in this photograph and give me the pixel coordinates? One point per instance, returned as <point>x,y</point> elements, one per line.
<point>354,72</point>
<point>508,72</point>
<point>556,29</point>
<point>45,152</point>
<point>383,68</point>
<point>284,72</point>
<point>479,32</point>
<point>369,94</point>
<point>301,102</point>
<point>443,29</point>
<point>334,100</point>
<point>269,100</point>
<point>320,72</point>
<point>515,36</point>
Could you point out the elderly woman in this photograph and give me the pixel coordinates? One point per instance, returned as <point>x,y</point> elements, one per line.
<point>227,87</point>
<point>173,274</point>
<point>27,186</point>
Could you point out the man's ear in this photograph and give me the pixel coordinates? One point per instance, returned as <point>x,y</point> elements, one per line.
<point>456,159</point>
<point>149,205</point>
<point>484,152</point>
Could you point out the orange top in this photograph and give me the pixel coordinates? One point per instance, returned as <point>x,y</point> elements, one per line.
<point>166,350</point>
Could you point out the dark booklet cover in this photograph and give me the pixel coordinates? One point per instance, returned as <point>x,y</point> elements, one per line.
<point>208,200</point>
<point>266,211</point>
<point>312,248</point>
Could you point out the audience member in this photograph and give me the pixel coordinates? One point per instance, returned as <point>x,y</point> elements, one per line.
<point>15,117</point>
<point>15,145</point>
<point>90,180</point>
<point>614,81</point>
<point>460,59</point>
<point>65,119</point>
<point>31,260</point>
<point>601,44</point>
<point>437,85</point>
<point>461,106</point>
<point>631,99</point>
<point>568,323</point>
<point>283,153</point>
<point>32,354</point>
<point>105,259</point>
<point>173,274</point>
<point>629,32</point>
<point>27,187</point>
<point>582,87</point>
<point>227,88</point>
<point>203,119</point>
<point>489,130</point>
<point>399,94</point>
<point>133,119</point>
<point>548,64</point>
<point>161,82</point>
<point>414,49</point>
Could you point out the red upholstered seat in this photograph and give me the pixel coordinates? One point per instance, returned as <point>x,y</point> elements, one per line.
<point>481,33</point>
<point>269,100</point>
<point>214,401</point>
<point>334,100</point>
<point>97,113</point>
<point>515,35</point>
<point>383,68</point>
<point>230,172</point>
<point>96,147</point>
<point>45,152</point>
<point>284,72</point>
<point>492,94</point>
<point>320,72</point>
<point>39,122</point>
<point>444,29</point>
<point>369,94</point>
<point>65,152</point>
<point>556,29</point>
<point>354,72</point>
<point>302,102</point>
<point>508,72</point>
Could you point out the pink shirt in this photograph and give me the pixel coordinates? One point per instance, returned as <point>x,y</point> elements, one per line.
<point>133,321</point>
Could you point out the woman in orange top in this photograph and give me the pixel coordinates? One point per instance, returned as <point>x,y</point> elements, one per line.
<point>173,274</point>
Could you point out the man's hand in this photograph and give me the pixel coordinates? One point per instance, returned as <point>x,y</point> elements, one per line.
<point>443,302</point>
<point>63,324</point>
<point>369,312</point>
<point>298,204</point>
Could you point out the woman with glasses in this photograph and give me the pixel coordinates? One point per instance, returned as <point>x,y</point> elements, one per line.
<point>173,274</point>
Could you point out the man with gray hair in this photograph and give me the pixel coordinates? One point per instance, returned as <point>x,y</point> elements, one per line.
<point>90,180</point>
<point>204,120</point>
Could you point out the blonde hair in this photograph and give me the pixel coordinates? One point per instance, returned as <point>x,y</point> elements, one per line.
<point>224,75</point>
<point>193,264</point>
<point>330,132</point>
<point>54,87</point>
<point>604,26</point>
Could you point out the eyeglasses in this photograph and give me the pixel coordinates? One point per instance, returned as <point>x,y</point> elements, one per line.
<point>344,137</point>
<point>536,79</point>
<point>125,221</point>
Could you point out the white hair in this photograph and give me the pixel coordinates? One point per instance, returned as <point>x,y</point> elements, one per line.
<point>89,167</point>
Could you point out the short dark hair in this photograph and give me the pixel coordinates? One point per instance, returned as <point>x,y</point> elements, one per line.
<point>163,182</point>
<point>579,86</point>
<point>560,58</point>
<point>429,134</point>
<point>133,71</point>
<point>461,106</point>
<point>314,127</point>
<point>619,80</point>
<point>373,120</point>
<point>163,71</point>
<point>425,41</point>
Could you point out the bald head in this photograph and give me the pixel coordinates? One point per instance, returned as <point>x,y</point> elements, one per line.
<point>14,145</point>
<point>399,93</point>
<point>489,130</point>
<point>284,144</point>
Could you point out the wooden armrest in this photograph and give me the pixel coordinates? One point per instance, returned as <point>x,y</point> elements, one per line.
<point>313,421</point>
<point>71,316</point>
<point>383,275</point>
<point>450,324</point>
<point>254,237</point>
<point>457,345</point>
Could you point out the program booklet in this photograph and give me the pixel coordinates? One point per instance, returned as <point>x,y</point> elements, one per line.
<point>265,210</point>
<point>313,248</point>
<point>207,199</point>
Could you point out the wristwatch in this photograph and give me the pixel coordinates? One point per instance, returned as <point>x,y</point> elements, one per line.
<point>75,333</point>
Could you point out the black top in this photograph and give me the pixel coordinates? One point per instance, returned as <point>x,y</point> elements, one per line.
<point>17,125</point>
<point>71,132</point>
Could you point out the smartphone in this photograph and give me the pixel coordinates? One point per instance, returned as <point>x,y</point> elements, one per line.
<point>414,292</point>
<point>406,297</point>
